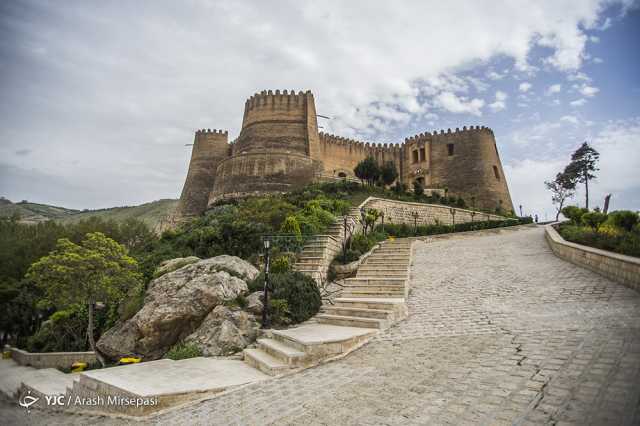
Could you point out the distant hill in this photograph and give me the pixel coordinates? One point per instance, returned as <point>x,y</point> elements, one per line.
<point>33,212</point>
<point>150,213</point>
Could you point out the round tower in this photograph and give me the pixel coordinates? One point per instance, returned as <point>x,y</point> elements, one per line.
<point>209,148</point>
<point>277,149</point>
<point>468,164</point>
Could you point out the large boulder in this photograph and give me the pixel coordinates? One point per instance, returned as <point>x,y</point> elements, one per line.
<point>255,302</point>
<point>225,331</point>
<point>173,265</point>
<point>176,304</point>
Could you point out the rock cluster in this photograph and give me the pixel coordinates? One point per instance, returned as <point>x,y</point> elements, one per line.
<point>188,303</point>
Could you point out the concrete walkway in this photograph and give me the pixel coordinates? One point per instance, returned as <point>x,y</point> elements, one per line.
<point>500,331</point>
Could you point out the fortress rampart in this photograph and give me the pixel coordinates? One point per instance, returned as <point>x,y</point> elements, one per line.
<point>279,149</point>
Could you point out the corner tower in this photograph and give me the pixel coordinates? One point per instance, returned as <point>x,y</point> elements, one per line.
<point>467,163</point>
<point>277,149</point>
<point>209,148</point>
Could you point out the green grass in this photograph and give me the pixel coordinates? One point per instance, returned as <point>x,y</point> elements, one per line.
<point>149,213</point>
<point>33,212</point>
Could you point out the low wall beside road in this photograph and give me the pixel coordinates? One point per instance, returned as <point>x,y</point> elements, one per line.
<point>616,267</point>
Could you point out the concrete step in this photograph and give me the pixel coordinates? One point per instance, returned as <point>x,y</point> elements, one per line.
<point>257,358</point>
<point>372,293</point>
<point>383,268</point>
<point>375,281</point>
<point>348,321</point>
<point>358,312</point>
<point>368,303</point>
<point>281,351</point>
<point>381,274</point>
<point>390,288</point>
<point>389,256</point>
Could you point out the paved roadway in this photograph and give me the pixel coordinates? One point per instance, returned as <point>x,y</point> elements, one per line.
<point>500,332</point>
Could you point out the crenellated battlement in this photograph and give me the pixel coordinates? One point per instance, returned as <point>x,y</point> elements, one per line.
<point>327,138</point>
<point>270,98</point>
<point>441,132</point>
<point>279,149</point>
<point>212,131</point>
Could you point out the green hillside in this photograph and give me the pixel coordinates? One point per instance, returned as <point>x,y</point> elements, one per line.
<point>150,213</point>
<point>33,212</point>
<point>30,213</point>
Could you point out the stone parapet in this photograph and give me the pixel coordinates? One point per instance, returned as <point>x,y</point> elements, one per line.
<point>399,212</point>
<point>617,267</point>
<point>51,359</point>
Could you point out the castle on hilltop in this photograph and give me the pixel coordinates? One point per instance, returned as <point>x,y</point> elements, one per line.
<point>279,149</point>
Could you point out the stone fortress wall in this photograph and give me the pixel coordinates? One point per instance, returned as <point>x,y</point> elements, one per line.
<point>280,149</point>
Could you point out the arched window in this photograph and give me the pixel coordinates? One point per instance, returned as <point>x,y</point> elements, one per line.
<point>342,175</point>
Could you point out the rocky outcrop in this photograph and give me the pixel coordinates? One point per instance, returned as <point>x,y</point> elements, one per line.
<point>176,305</point>
<point>255,302</point>
<point>225,331</point>
<point>174,264</point>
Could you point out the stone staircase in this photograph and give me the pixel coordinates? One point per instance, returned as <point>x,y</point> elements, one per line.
<point>373,300</point>
<point>320,250</point>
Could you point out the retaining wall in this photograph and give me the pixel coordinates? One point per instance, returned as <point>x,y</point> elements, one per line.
<point>616,267</point>
<point>50,359</point>
<point>402,212</point>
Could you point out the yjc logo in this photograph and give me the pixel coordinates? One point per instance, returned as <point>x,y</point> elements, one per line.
<point>27,401</point>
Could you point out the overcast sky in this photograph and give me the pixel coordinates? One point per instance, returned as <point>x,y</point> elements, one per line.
<point>99,98</point>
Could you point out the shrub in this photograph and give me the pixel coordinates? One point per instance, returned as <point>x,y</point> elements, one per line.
<point>574,214</point>
<point>418,190</point>
<point>399,188</point>
<point>131,304</point>
<point>594,219</point>
<point>627,243</point>
<point>624,219</point>
<point>291,226</point>
<point>281,264</point>
<point>280,313</point>
<point>183,351</point>
<point>300,292</point>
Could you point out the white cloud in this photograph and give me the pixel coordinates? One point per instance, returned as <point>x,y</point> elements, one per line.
<point>597,60</point>
<point>492,75</point>
<point>589,91</point>
<point>524,86</point>
<point>578,102</point>
<point>140,87</point>
<point>554,88</point>
<point>452,103</point>
<point>618,143</point>
<point>500,103</point>
<point>594,39</point>
<point>570,119</point>
<point>619,147</point>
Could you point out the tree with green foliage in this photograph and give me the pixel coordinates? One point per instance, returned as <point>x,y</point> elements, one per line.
<point>98,270</point>
<point>388,173</point>
<point>624,219</point>
<point>582,168</point>
<point>367,170</point>
<point>291,226</point>
<point>594,219</point>
<point>574,214</point>
<point>562,188</point>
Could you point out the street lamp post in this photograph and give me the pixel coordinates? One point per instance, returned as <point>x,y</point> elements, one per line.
<point>363,217</point>
<point>382,216</point>
<point>415,223</point>
<point>520,210</point>
<point>266,321</point>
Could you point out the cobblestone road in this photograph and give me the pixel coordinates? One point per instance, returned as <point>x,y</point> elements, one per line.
<point>500,332</point>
